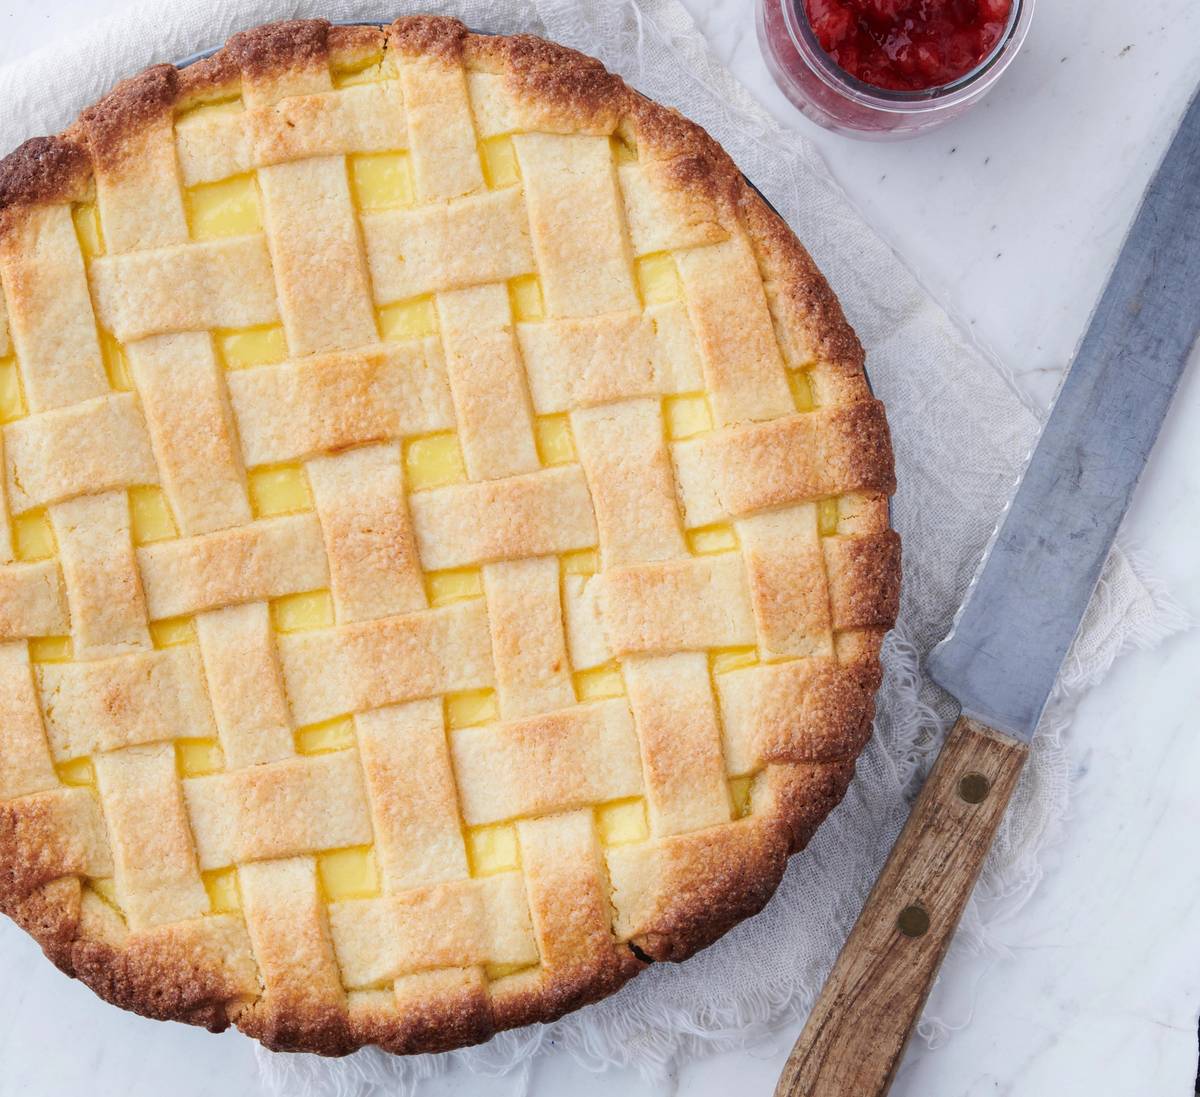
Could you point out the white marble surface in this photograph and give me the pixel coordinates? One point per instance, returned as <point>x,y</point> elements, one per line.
<point>1011,217</point>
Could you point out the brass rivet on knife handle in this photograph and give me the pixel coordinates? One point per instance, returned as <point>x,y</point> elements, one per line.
<point>913,921</point>
<point>974,787</point>
<point>852,1044</point>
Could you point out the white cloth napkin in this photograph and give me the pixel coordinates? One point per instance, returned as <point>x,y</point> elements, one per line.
<point>961,434</point>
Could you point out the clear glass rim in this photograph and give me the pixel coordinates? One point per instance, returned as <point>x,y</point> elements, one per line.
<point>805,41</point>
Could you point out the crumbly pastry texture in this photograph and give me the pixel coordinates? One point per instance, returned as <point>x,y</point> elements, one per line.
<point>444,550</point>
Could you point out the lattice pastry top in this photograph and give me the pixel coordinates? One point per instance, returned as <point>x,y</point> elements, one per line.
<point>444,548</point>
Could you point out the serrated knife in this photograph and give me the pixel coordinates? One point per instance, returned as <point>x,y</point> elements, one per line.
<point>1011,634</point>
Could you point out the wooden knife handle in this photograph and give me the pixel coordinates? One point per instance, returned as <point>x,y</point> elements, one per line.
<point>855,1037</point>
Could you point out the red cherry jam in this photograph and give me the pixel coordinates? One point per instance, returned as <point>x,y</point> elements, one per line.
<point>908,45</point>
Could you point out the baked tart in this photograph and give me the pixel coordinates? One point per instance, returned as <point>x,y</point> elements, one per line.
<point>444,543</point>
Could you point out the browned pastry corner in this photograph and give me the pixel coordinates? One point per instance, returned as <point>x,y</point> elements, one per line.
<point>444,550</point>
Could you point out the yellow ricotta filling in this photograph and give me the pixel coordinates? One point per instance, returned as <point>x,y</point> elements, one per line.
<point>723,660</point>
<point>87,229</point>
<point>172,631</point>
<point>278,489</point>
<point>33,536</point>
<point>802,391</point>
<point>12,397</point>
<point>77,772</point>
<point>213,108</point>
<point>224,894</point>
<point>150,515</point>
<point>225,208</point>
<point>500,971</point>
<point>413,319</point>
<point>329,735</point>
<point>499,160</point>
<point>381,180</point>
<point>433,461</point>
<point>584,562</point>
<point>525,297</point>
<point>555,444</point>
<point>624,148</point>
<point>740,789</point>
<point>197,757</point>
<point>116,365</point>
<point>51,649</point>
<point>708,540</point>
<point>471,708</point>
<point>657,278</point>
<point>298,612</point>
<point>444,587</point>
<point>622,822</point>
<point>827,517</point>
<point>365,70</point>
<point>687,416</point>
<point>599,682</point>
<point>244,347</point>
<point>350,873</point>
<point>493,849</point>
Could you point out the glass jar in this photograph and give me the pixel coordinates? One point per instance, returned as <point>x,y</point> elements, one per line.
<point>833,98</point>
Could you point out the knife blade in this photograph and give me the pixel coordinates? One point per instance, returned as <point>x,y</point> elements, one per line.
<point>1024,606</point>
<point>1011,634</point>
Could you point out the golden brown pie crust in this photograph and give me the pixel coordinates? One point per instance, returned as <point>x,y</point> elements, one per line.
<point>808,717</point>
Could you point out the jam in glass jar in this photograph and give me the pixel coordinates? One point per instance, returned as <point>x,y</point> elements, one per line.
<point>889,68</point>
